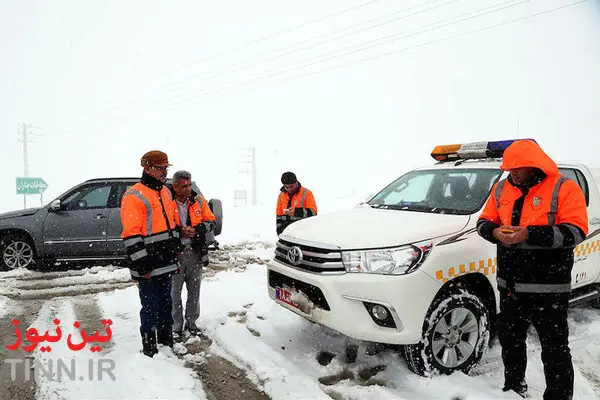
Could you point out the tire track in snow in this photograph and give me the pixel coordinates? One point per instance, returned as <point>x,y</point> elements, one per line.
<point>19,388</point>
<point>47,286</point>
<point>89,314</point>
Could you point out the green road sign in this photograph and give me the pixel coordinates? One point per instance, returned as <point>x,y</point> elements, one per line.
<point>31,185</point>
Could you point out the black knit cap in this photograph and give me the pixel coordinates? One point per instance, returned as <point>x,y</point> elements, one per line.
<point>288,178</point>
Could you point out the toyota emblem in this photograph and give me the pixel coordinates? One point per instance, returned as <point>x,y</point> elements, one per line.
<point>294,255</point>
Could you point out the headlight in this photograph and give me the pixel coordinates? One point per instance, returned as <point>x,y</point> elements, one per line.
<point>394,261</point>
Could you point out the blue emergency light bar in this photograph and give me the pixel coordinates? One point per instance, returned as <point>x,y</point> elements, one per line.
<point>473,150</point>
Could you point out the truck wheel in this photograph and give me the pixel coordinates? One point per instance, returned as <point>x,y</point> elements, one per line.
<point>455,336</point>
<point>16,251</point>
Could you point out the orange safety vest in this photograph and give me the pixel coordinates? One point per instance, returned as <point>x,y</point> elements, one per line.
<point>198,212</point>
<point>304,203</point>
<point>301,199</point>
<point>149,229</point>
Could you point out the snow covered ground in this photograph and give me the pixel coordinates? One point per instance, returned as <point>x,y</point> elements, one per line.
<point>277,349</point>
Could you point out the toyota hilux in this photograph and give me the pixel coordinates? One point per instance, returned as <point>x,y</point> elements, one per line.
<point>407,267</point>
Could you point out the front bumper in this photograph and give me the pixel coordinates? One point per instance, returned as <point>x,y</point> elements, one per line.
<point>337,301</point>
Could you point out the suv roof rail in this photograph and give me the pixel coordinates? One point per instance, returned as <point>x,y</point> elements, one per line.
<point>130,178</point>
<point>113,179</point>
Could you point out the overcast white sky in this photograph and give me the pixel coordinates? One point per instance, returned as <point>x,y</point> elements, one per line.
<point>105,81</point>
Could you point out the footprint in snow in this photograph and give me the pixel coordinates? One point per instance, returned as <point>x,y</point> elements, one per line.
<point>237,313</point>
<point>242,318</point>
<point>330,380</point>
<point>253,331</point>
<point>363,377</point>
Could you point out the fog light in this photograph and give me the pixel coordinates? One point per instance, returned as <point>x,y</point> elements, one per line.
<point>382,315</point>
<point>379,312</point>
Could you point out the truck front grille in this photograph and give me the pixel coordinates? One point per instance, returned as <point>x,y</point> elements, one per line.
<point>309,258</point>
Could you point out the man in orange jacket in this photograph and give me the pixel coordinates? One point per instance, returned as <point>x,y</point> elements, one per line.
<point>152,242</point>
<point>294,203</point>
<point>535,217</point>
<point>196,220</point>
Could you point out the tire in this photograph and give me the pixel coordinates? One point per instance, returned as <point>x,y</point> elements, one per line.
<point>217,208</point>
<point>465,320</point>
<point>16,251</point>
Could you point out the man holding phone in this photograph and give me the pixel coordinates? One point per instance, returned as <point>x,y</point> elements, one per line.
<point>294,203</point>
<point>536,217</point>
<point>195,219</point>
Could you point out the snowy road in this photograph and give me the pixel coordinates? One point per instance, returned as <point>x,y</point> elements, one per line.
<point>254,349</point>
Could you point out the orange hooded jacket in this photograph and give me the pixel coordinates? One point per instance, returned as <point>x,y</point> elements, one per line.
<point>553,210</point>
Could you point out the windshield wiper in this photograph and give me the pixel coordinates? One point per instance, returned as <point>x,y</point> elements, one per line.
<point>411,207</point>
<point>416,207</point>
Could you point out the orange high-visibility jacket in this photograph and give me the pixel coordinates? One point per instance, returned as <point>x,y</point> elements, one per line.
<point>553,210</point>
<point>149,230</point>
<point>198,213</point>
<point>199,217</point>
<point>303,202</point>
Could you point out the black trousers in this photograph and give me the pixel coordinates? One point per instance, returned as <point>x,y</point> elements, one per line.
<point>549,317</point>
<point>155,296</point>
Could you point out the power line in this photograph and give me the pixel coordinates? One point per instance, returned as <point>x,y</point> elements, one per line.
<point>184,84</point>
<point>386,40</point>
<point>261,39</point>
<point>319,59</point>
<point>379,55</point>
<point>415,46</point>
<point>192,95</point>
<point>402,50</point>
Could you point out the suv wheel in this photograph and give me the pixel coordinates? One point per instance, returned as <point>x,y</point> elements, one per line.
<point>16,252</point>
<point>455,336</point>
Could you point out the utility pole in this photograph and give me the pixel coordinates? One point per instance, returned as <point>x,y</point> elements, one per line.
<point>23,132</point>
<point>251,159</point>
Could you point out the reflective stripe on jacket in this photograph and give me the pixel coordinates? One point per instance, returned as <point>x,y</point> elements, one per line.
<point>303,202</point>
<point>149,230</point>
<point>200,217</point>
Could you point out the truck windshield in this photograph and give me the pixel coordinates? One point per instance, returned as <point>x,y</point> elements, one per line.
<point>444,191</point>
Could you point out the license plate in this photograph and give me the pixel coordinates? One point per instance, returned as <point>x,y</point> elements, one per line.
<point>285,296</point>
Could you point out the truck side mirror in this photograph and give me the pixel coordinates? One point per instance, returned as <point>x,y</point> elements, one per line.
<point>55,206</point>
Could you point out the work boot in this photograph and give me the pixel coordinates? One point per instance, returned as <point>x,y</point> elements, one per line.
<point>165,336</point>
<point>194,331</point>
<point>149,344</point>
<point>178,336</point>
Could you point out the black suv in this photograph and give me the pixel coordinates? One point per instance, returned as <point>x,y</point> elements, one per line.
<point>82,225</point>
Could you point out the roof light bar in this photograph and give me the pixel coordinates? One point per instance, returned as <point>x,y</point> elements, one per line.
<point>473,150</point>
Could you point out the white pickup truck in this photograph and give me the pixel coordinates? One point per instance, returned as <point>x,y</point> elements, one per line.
<point>408,268</point>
